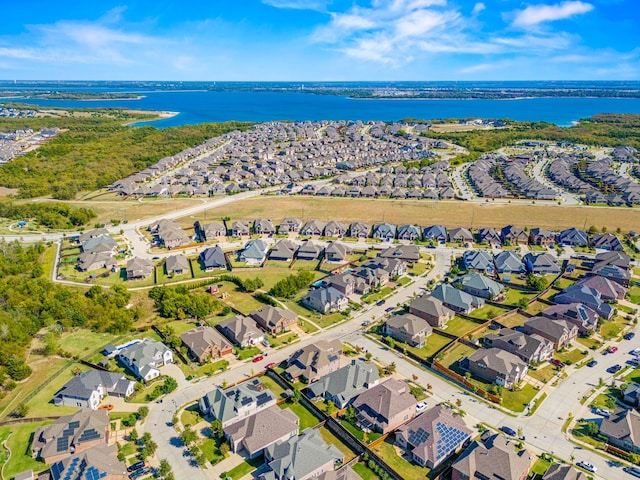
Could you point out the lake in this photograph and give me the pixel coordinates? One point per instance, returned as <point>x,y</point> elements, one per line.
<point>208,106</point>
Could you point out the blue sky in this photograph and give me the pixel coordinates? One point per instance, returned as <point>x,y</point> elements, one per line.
<point>323,40</point>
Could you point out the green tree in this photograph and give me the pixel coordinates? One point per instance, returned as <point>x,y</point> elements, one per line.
<point>142,412</point>
<point>21,410</point>
<point>169,385</point>
<point>133,436</point>
<point>165,468</point>
<point>188,435</point>
<point>592,428</point>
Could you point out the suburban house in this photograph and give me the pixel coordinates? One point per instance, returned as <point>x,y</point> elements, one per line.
<point>384,231</point>
<point>459,235</point>
<point>631,394</point>
<point>139,268</point>
<point>313,227</point>
<point>490,236</point>
<point>99,244</point>
<point>586,295</point>
<point>430,438</point>
<point>290,225</point>
<point>284,250</point>
<point>409,232</point>
<point>512,235</point>
<point>479,261</point>
<point>541,264</point>
<point>529,348</point>
<point>240,229</point>
<point>408,328</point>
<point>274,320</point>
<point>573,237</point>
<point>70,434</point>
<point>336,252</point>
<point>606,241</point>
<point>301,458</point>
<point>87,389</point>
<point>480,286</point>
<point>88,261</point>
<point>145,358</point>
<point>314,361</point>
<point>385,407</point>
<point>432,310</point>
<point>236,403</point>
<point>210,231</point>
<point>455,299</point>
<point>335,229</point>
<point>254,252</point>
<point>251,435</point>
<point>613,265</point>
<point>610,291</point>
<point>263,226</point>
<point>508,262</point>
<point>100,461</point>
<point>437,233</point>
<point>176,265</point>
<point>242,331</point>
<point>325,300</point>
<point>346,383</point>
<point>359,230</point>
<point>492,458</point>
<point>205,343</point>
<point>497,366</point>
<point>407,253</point>
<point>213,258</point>
<point>542,237</point>
<point>580,315</point>
<point>559,332</point>
<point>559,471</point>
<point>622,429</point>
<point>309,250</point>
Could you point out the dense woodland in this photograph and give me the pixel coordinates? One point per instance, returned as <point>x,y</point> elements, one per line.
<point>57,216</point>
<point>95,151</point>
<point>29,302</point>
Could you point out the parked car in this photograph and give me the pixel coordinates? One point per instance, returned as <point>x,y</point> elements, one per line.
<point>381,302</point>
<point>556,362</point>
<point>635,471</point>
<point>602,411</point>
<point>388,309</point>
<point>612,349</point>
<point>592,363</point>
<point>270,365</point>
<point>629,336</point>
<point>587,466</point>
<point>634,361</point>
<point>257,359</point>
<point>509,431</point>
<point>265,342</point>
<point>635,352</point>
<point>365,323</point>
<point>614,368</point>
<point>421,406</point>
<point>135,466</point>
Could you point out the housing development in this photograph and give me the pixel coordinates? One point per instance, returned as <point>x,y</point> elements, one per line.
<point>280,346</point>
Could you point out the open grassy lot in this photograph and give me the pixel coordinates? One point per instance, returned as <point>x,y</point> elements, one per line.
<point>210,368</point>
<point>181,326</point>
<point>83,342</point>
<point>518,400</point>
<point>611,329</point>
<point>456,353</point>
<point>327,320</point>
<point>19,441</point>
<point>270,275</point>
<point>447,213</point>
<point>460,326</point>
<point>389,453</point>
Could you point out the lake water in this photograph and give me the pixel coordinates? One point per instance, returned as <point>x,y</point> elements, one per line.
<point>207,106</point>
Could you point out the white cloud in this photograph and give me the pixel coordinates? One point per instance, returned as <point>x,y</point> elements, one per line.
<point>477,8</point>
<point>535,14</point>
<point>298,4</point>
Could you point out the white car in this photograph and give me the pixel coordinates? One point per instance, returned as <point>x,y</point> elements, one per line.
<point>603,412</point>
<point>420,407</point>
<point>635,351</point>
<point>587,466</point>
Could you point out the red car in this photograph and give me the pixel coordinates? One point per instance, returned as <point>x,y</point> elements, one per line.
<point>270,365</point>
<point>613,349</point>
<point>257,359</point>
<point>556,362</point>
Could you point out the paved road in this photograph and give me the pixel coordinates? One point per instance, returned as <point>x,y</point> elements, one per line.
<point>538,174</point>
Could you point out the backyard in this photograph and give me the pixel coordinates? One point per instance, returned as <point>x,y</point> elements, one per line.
<point>389,453</point>
<point>18,439</point>
<point>459,326</point>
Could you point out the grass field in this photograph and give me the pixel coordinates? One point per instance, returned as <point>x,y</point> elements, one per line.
<point>82,342</point>
<point>363,471</point>
<point>19,441</point>
<point>447,213</point>
<point>571,357</point>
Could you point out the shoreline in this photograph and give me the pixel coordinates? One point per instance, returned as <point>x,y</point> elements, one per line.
<point>162,115</point>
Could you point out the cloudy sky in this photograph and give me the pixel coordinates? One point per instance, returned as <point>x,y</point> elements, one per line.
<point>324,40</point>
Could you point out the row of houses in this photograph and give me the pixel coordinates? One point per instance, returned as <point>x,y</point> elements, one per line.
<point>17,142</point>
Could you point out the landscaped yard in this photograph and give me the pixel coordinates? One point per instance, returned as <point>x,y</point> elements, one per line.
<point>514,320</point>
<point>611,329</point>
<point>359,434</point>
<point>18,442</point>
<point>540,467</point>
<point>191,415</point>
<point>245,468</point>
<point>580,432</point>
<point>247,352</point>
<point>488,312</point>
<point>363,471</point>
<point>327,320</point>
<point>40,405</point>
<point>331,439</point>
<point>418,268</point>
<point>590,342</point>
<point>374,297</point>
<point>513,296</point>
<point>307,419</point>
<point>459,326</point>
<point>272,385</point>
<point>282,339</point>
<point>518,400</point>
<point>536,307</point>
<point>543,374</point>
<point>388,453</point>
<point>456,353</point>
<point>572,356</point>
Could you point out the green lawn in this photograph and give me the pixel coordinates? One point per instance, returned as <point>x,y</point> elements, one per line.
<point>374,297</point>
<point>282,339</point>
<point>517,401</point>
<point>589,342</point>
<point>543,374</point>
<point>540,467</point>
<point>212,368</point>
<point>536,307</point>
<point>211,449</point>
<point>434,343</point>
<point>82,342</point>
<point>611,329</point>
<point>363,471</point>
<point>245,468</point>
<point>269,275</point>
<point>418,268</point>
<point>19,442</point>
<point>580,432</point>
<point>40,405</point>
<point>403,281</point>
<point>513,296</point>
<point>571,357</point>
<point>243,301</point>
<point>181,326</point>
<point>162,277</point>
<point>327,320</point>
<point>306,264</point>
<point>247,352</point>
<point>272,385</point>
<point>191,415</point>
<point>514,320</point>
<point>406,470</point>
<point>459,326</point>
<point>359,434</point>
<point>307,419</point>
<point>456,353</point>
<point>331,439</point>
